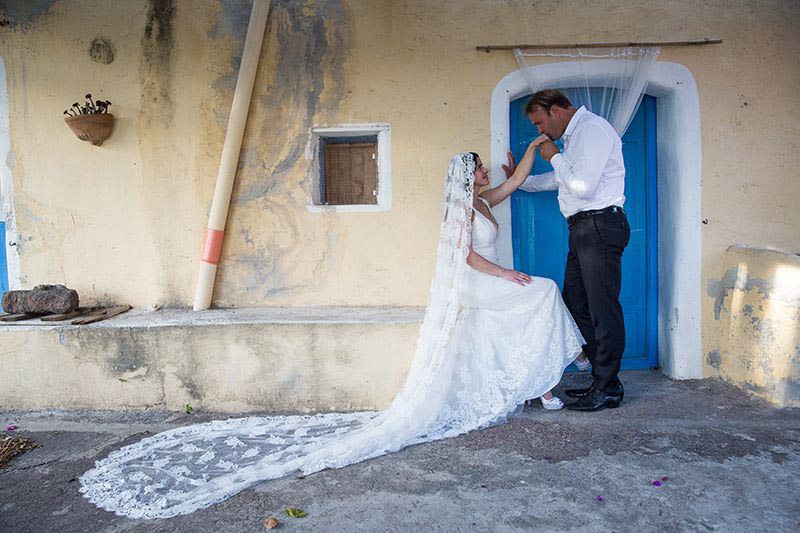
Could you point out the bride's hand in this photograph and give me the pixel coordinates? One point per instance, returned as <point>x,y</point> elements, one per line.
<point>543,138</point>
<point>511,167</point>
<point>520,278</point>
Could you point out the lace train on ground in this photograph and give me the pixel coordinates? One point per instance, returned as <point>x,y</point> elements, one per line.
<point>485,346</point>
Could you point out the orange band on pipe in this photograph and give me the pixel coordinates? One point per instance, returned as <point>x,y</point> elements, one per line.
<point>212,245</point>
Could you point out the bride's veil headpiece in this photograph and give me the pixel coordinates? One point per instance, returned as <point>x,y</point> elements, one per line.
<point>188,468</point>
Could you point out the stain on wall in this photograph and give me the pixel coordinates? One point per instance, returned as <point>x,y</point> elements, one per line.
<point>163,147</point>
<point>158,45</point>
<point>302,85</point>
<point>16,12</point>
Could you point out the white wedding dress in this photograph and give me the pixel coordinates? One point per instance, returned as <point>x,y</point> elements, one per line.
<point>486,345</point>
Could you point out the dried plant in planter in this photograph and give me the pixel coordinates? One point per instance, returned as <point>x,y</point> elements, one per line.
<point>90,122</point>
<point>10,447</point>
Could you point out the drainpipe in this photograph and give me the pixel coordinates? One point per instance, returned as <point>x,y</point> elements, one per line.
<point>212,241</point>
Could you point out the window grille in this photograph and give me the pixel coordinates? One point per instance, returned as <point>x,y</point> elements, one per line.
<point>348,173</point>
<point>351,168</point>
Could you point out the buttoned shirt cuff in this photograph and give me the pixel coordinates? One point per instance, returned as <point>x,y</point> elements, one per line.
<point>557,160</point>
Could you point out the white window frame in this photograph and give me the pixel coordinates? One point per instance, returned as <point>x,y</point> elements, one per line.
<point>384,196</point>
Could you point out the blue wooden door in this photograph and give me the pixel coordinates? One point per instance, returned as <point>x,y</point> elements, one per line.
<point>540,233</point>
<point>3,267</point>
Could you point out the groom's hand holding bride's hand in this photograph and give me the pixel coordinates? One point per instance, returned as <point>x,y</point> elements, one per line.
<point>548,149</point>
<point>520,278</point>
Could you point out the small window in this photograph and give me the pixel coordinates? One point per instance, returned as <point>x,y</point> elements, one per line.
<point>348,170</point>
<point>351,168</point>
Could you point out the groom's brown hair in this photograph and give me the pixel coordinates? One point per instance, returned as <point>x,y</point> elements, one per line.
<point>546,99</point>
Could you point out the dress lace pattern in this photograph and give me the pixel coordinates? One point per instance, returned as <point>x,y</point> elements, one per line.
<point>485,346</point>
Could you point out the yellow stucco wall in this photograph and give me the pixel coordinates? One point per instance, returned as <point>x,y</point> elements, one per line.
<point>124,222</point>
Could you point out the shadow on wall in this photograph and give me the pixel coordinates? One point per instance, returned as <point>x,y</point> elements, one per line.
<point>757,305</point>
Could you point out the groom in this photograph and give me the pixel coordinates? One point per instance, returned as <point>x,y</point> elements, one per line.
<point>590,178</point>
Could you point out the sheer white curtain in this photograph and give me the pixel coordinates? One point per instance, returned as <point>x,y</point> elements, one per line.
<point>610,82</point>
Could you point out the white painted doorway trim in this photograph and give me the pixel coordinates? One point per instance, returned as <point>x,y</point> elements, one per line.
<point>7,213</point>
<point>679,208</point>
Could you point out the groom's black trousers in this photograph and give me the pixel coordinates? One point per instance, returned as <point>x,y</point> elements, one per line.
<point>592,282</point>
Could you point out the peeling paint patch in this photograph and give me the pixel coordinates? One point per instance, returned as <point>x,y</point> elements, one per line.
<point>27,213</point>
<point>719,289</point>
<point>714,359</point>
<point>246,236</point>
<point>758,304</point>
<point>101,50</point>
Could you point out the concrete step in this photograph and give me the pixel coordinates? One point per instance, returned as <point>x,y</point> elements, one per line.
<point>223,360</point>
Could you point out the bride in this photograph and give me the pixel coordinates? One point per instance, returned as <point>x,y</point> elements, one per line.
<point>491,339</point>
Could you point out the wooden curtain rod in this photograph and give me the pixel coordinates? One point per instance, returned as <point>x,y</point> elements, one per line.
<point>489,47</point>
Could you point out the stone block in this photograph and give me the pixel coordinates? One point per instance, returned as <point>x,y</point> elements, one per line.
<point>42,299</point>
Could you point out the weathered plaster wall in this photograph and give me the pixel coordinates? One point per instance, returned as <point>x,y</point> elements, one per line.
<point>757,310</point>
<point>124,222</point>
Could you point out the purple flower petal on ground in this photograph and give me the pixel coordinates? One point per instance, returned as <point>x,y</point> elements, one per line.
<point>600,499</point>
<point>665,478</point>
<point>656,483</point>
<point>12,427</point>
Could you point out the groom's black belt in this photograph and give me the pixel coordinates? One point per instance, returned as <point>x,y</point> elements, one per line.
<point>583,214</point>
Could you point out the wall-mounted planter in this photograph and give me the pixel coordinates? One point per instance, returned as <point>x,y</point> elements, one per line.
<point>95,127</point>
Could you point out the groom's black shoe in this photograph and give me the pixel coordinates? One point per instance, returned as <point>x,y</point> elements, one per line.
<point>580,393</point>
<point>595,401</point>
<point>616,390</point>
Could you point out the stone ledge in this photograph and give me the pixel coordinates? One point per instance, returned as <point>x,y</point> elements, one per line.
<point>237,360</point>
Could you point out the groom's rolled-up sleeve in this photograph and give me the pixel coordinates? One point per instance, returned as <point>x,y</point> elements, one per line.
<point>540,182</point>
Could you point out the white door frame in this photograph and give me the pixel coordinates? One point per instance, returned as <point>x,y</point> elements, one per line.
<point>7,213</point>
<point>679,208</point>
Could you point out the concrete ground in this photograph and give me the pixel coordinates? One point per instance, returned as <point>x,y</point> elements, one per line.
<point>731,463</point>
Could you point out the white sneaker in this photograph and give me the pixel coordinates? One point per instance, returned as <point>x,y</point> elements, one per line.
<point>584,365</point>
<point>553,404</point>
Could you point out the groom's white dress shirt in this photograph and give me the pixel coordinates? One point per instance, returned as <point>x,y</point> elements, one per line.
<point>589,173</point>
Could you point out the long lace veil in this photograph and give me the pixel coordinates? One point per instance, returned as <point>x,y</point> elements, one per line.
<point>189,468</point>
